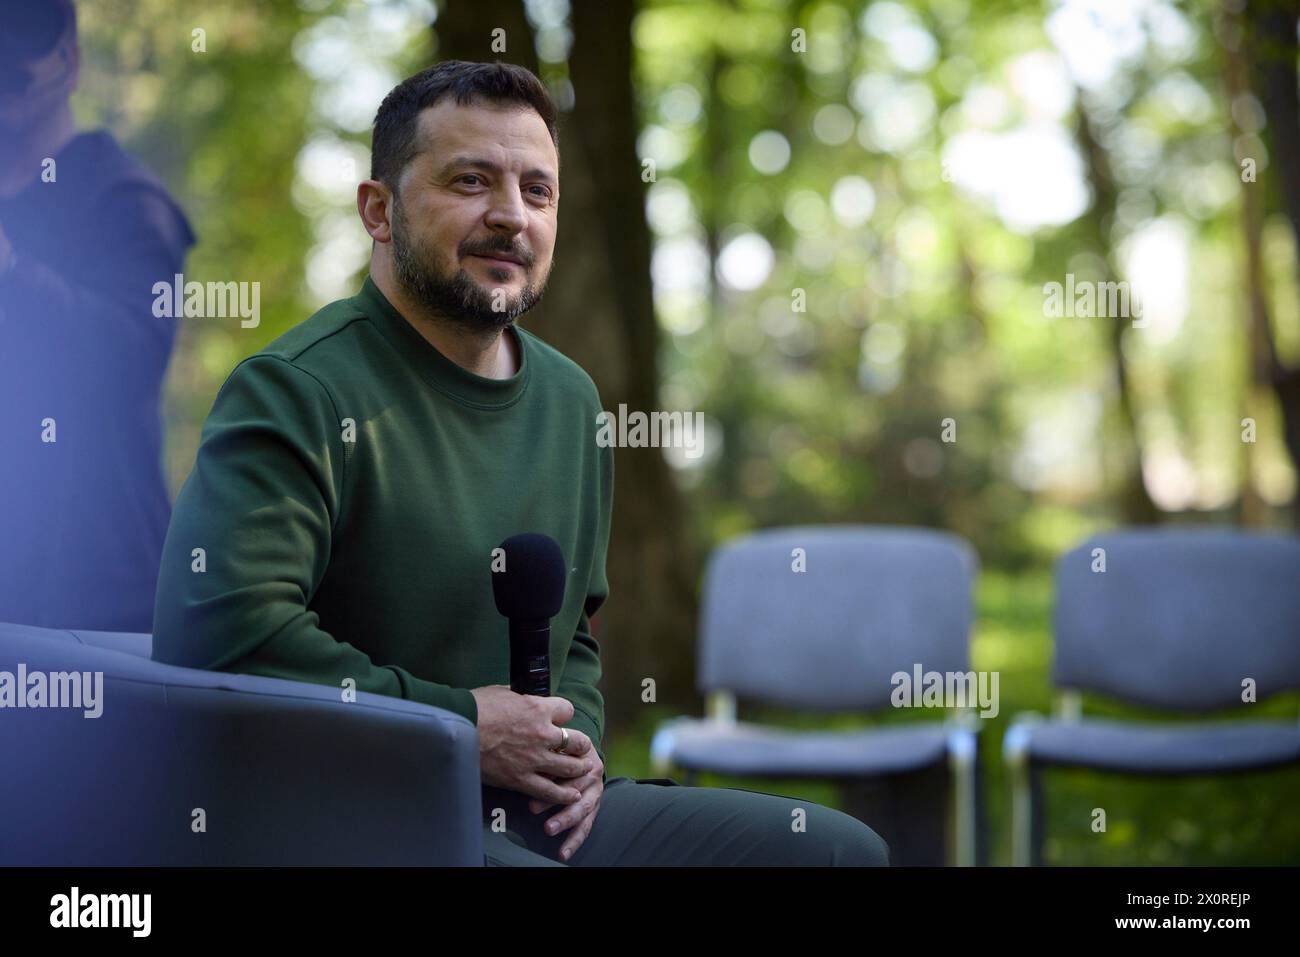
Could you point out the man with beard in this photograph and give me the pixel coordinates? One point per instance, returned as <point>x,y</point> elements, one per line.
<point>85,232</point>
<point>355,476</point>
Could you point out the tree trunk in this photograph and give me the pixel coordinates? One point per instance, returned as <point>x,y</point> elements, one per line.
<point>1271,44</point>
<point>1253,511</point>
<point>1136,506</point>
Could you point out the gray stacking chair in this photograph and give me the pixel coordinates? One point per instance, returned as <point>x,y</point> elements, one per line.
<point>1179,619</point>
<point>873,601</point>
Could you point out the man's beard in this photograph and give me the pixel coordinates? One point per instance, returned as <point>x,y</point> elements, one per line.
<point>457,297</point>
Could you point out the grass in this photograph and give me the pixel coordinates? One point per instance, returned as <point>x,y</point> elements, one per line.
<point>1243,819</point>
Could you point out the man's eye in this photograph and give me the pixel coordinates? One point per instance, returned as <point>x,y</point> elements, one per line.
<point>469,176</point>
<point>545,191</point>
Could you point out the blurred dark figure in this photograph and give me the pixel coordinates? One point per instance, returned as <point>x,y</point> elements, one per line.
<point>85,233</point>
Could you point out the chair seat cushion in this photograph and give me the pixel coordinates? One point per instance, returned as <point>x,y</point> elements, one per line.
<point>750,749</point>
<point>1162,748</point>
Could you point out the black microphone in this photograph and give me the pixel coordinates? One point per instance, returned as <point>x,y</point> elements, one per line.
<point>529,591</point>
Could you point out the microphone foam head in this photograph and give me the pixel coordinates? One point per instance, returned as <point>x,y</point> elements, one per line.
<point>532,583</point>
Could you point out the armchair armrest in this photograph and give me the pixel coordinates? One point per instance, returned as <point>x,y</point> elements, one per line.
<point>208,768</point>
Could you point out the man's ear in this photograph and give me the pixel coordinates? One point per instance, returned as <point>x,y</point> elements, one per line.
<point>375,207</point>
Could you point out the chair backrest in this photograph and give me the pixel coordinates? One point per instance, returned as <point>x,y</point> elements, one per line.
<point>871,601</point>
<point>1180,618</point>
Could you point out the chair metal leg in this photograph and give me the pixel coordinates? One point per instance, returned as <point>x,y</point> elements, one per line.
<point>1022,817</point>
<point>1015,756</point>
<point>961,765</point>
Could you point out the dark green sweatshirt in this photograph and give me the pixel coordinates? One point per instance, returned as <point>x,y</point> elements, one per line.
<point>350,486</point>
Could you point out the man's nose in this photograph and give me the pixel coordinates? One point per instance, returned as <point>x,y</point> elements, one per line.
<point>506,211</point>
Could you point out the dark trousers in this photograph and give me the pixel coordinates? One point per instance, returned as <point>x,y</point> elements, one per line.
<point>658,822</point>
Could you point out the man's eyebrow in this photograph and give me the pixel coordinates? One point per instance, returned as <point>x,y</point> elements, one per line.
<point>491,167</point>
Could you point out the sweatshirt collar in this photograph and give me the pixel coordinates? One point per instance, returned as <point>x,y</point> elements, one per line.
<point>438,370</point>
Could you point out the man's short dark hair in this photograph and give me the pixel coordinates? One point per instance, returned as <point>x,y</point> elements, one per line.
<point>396,139</point>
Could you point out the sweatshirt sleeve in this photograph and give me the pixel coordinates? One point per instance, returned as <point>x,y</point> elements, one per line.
<point>582,668</point>
<point>578,685</point>
<point>249,543</point>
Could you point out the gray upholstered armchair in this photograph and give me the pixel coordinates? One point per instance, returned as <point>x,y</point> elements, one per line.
<point>186,767</point>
